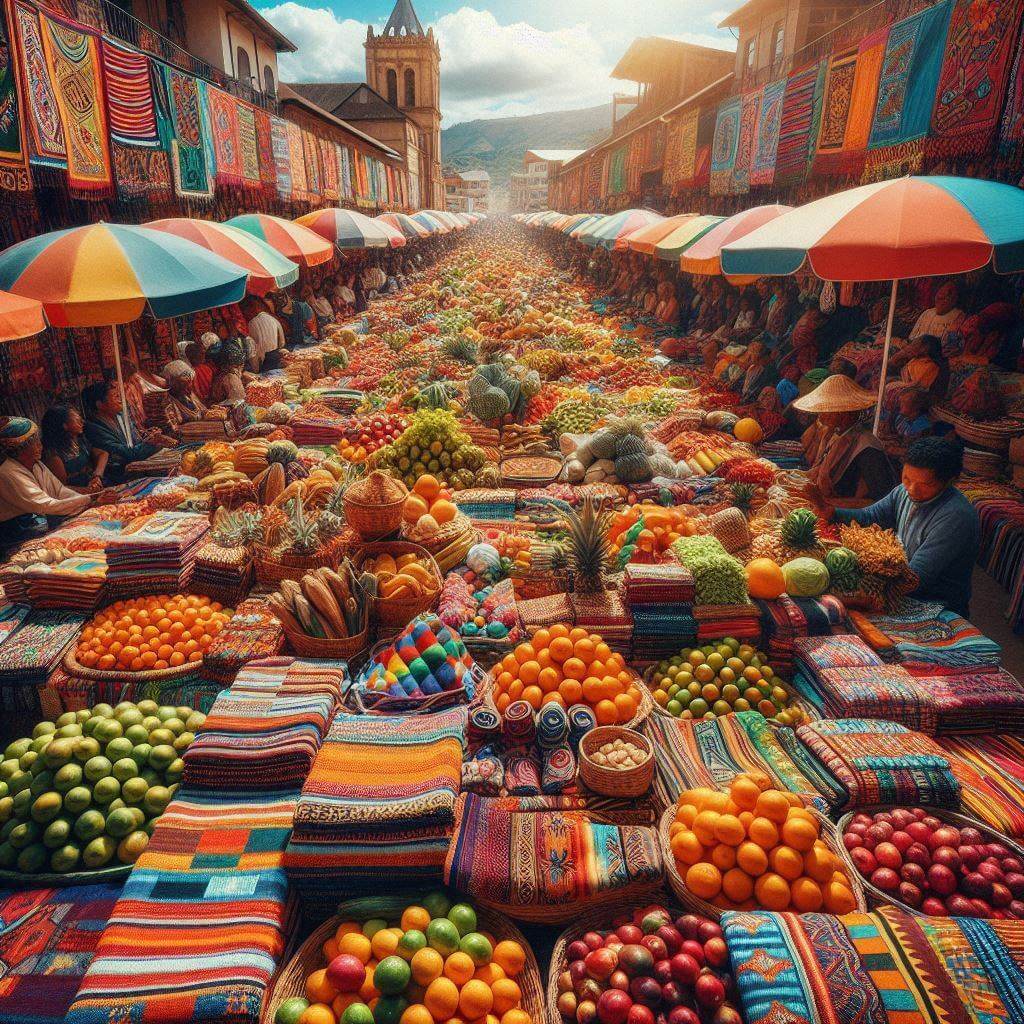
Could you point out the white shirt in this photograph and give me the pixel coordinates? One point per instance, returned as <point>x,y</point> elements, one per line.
<point>930,322</point>
<point>35,491</point>
<point>266,333</point>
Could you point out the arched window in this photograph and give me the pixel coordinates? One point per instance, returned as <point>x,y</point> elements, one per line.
<point>410,87</point>
<point>269,85</point>
<point>392,80</point>
<point>243,69</point>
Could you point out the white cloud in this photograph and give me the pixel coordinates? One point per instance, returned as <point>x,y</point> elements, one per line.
<point>330,49</point>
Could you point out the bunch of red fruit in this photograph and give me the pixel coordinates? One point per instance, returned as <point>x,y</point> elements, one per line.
<point>649,968</point>
<point>373,432</point>
<point>935,867</point>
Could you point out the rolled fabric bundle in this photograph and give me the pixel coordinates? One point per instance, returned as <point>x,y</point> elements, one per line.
<point>520,726</point>
<point>559,770</point>
<point>484,726</point>
<point>483,775</point>
<point>581,721</point>
<point>522,775</point>
<point>552,726</point>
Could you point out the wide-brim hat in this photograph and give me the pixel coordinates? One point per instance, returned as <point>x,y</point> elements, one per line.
<point>836,394</point>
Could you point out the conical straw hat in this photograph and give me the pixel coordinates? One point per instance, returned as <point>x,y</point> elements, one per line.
<point>835,394</point>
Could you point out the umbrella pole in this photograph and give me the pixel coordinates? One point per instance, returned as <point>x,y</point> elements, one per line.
<point>120,385</point>
<point>885,354</point>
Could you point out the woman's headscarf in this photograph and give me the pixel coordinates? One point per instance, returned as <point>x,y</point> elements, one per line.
<point>178,369</point>
<point>15,433</point>
<point>229,353</point>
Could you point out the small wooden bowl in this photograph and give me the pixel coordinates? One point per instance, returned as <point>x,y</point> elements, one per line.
<point>617,782</point>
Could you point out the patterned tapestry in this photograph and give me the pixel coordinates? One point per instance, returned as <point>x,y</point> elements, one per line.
<point>141,173</point>
<point>835,110</point>
<point>329,169</point>
<point>300,186</point>
<point>227,155</point>
<point>311,156</point>
<point>749,111</point>
<point>870,55</point>
<point>762,169</point>
<point>188,150</point>
<point>345,172</point>
<point>248,145</point>
<point>1011,127</point>
<point>46,134</point>
<point>975,68</point>
<point>723,149</point>
<point>910,73</point>
<point>282,156</point>
<point>681,149</point>
<point>617,172</point>
<point>126,75</point>
<point>265,145</point>
<point>795,140</point>
<point>73,62</point>
<point>592,185</point>
<point>14,175</point>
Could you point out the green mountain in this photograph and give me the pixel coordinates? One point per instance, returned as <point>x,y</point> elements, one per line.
<point>498,145</point>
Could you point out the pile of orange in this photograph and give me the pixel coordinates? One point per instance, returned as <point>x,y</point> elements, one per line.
<point>756,846</point>
<point>568,666</point>
<point>662,528</point>
<point>151,633</point>
<point>429,498</point>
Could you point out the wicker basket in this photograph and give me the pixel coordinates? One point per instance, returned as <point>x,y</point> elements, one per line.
<point>530,470</point>
<point>113,677</point>
<point>53,880</point>
<point>617,782</point>
<point>349,649</point>
<point>829,834</point>
<point>271,569</point>
<point>875,896</point>
<point>398,612</point>
<point>291,980</point>
<point>372,522</point>
<point>363,701</point>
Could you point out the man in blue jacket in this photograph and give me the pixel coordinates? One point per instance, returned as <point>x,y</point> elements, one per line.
<point>937,526</point>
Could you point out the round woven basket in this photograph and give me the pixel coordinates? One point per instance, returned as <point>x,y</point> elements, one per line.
<point>530,470</point>
<point>398,612</point>
<point>618,782</point>
<point>350,648</point>
<point>875,896</point>
<point>75,668</point>
<point>271,569</point>
<point>372,522</point>
<point>291,979</point>
<point>829,835</point>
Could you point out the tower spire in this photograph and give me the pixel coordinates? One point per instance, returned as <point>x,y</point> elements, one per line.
<point>403,21</point>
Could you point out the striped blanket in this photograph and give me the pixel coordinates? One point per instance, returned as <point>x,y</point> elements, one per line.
<point>283,676</point>
<point>990,770</point>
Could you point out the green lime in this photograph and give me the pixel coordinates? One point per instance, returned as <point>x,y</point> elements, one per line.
<point>477,948</point>
<point>77,800</point>
<point>165,712</point>
<point>436,903</point>
<point>136,734</point>
<point>24,834</point>
<point>46,807</point>
<point>67,718</point>
<point>22,804</point>
<point>116,749</point>
<point>99,852</point>
<point>106,790</point>
<point>411,943</point>
<point>89,726</point>
<point>57,833</point>
<point>175,771</point>
<point>6,809</point>
<point>42,782</point>
<point>89,825</point>
<point>83,715</point>
<point>140,754</point>
<point>175,725</point>
<point>291,1010</point>
<point>357,1013</point>
<point>162,737</point>
<point>151,722</point>
<point>130,718</point>
<point>8,856</point>
<point>102,710</point>
<point>374,925</point>
<point>42,729</point>
<point>162,756</point>
<point>463,916</point>
<point>9,766</point>
<point>183,741</point>
<point>116,804</point>
<point>68,777</point>
<point>129,849</point>
<point>195,721</point>
<point>107,730</point>
<point>28,759</point>
<point>391,976</point>
<point>443,936</point>
<point>97,768</point>
<point>133,790</point>
<point>125,769</point>
<point>389,1009</point>
<point>673,707</point>
<point>120,822</point>
<point>156,800</point>
<point>70,732</point>
<point>33,859</point>
<point>85,748</point>
<point>65,859</point>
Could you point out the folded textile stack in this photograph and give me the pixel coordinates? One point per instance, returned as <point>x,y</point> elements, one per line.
<point>33,650</point>
<point>606,614</point>
<point>742,621</point>
<point>251,633</point>
<point>285,676</point>
<point>990,770</point>
<point>712,752</point>
<point>249,736</point>
<point>658,584</point>
<point>47,939</point>
<point>487,503</point>
<point>225,574</point>
<point>76,583</point>
<point>537,860</point>
<point>978,702</point>
<point>378,807</point>
<point>537,612</point>
<point>786,618</point>
<point>881,763</point>
<point>154,553</point>
<point>316,430</point>
<point>660,599</point>
<point>886,966</point>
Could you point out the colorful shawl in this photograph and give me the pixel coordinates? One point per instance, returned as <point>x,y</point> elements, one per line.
<point>835,110</point>
<point>882,763</point>
<point>749,112</point>
<point>990,770</point>
<point>975,69</point>
<point>723,149</point>
<point>129,90</point>
<point>798,108</point>
<point>878,968</point>
<point>762,171</point>
<point>48,148</point>
<point>227,155</point>
<point>188,148</point>
<point>248,144</point>
<point>14,174</point>
<point>282,156</point>
<point>141,173</point>
<point>300,185</point>
<point>73,62</point>
<point>681,149</point>
<point>1011,126</point>
<point>311,161</point>
<point>502,854</point>
<point>265,146</point>
<point>47,940</point>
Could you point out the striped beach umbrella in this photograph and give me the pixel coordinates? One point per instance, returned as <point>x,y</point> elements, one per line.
<point>348,229</point>
<point>704,256</point>
<point>404,223</point>
<point>581,225</point>
<point>268,269</point>
<point>646,238</point>
<point>293,240</point>
<point>431,223</point>
<point>677,241</point>
<point>605,234</point>
<point>20,317</point>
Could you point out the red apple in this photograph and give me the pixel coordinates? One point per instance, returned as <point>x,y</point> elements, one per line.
<point>945,836</point>
<point>565,982</point>
<point>864,860</point>
<point>941,880</point>
<point>613,943</point>
<point>639,1014</point>
<point>682,1015</point>
<point>1015,883</point>
<point>709,992</point>
<point>1013,865</point>
<point>1001,895</point>
<point>880,832</point>
<point>619,980</point>
<point>578,972</point>
<point>934,907</point>
<point>655,945</point>
<point>601,963</point>
<point>888,856</point>
<point>997,850</point>
<point>990,870</point>
<point>716,952</point>
<point>860,818</point>
<point>918,812</point>
<point>672,994</point>
<point>695,949</point>
<point>589,989</point>
<point>970,856</point>
<point>918,853</point>
<point>959,906</point>
<point>346,973</point>
<point>901,840</point>
<point>932,822</point>
<point>613,1007</point>
<point>970,836</point>
<point>1016,909</point>
<point>567,1004</point>
<point>646,991</point>
<point>586,1012</point>
<point>976,885</point>
<point>629,934</point>
<point>885,879</point>
<point>910,894</point>
<point>726,1014</point>
<point>578,950</point>
<point>662,972</point>
<point>918,831</point>
<point>946,856</point>
<point>684,968</point>
<point>709,930</point>
<point>636,960</point>
<point>915,874</point>
<point>689,926</point>
<point>593,940</point>
<point>670,935</point>
<point>853,840</point>
<point>981,908</point>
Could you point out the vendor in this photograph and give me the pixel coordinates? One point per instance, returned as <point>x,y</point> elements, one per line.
<point>31,497</point>
<point>847,462</point>
<point>268,337</point>
<point>106,431</point>
<point>182,404</point>
<point>228,385</point>
<point>937,526</point>
<point>943,317</point>
<point>67,453</point>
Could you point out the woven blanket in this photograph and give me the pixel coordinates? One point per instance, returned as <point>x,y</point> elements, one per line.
<point>762,170</point>
<point>881,763</point>
<point>141,173</point>
<point>742,621</point>
<point>712,752</point>
<point>282,157</point>
<point>47,940</point>
<point>73,62</point>
<point>129,90</point>
<point>227,152</point>
<point>749,112</point>
<point>878,968</point>
<point>252,633</point>
<point>284,676</point>
<point>990,770</point>
<point>14,173</point>
<point>46,133</point>
<point>191,138</point>
<point>248,145</point>
<point>795,142</point>
<point>546,858</point>
<point>37,646</point>
<point>723,149</point>
<point>300,185</point>
<point>835,110</point>
<point>787,618</point>
<point>1011,125</point>
<point>978,702</point>
<point>815,654</point>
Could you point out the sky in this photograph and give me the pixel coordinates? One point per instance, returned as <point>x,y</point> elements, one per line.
<point>500,58</point>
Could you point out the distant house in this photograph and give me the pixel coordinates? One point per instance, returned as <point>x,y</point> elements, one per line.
<point>528,189</point>
<point>467,191</point>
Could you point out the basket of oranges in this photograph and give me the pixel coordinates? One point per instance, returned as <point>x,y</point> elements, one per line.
<point>570,666</point>
<point>755,847</point>
<point>428,961</point>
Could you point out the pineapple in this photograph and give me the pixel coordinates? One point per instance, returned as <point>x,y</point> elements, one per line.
<point>743,495</point>
<point>303,533</point>
<point>462,349</point>
<point>589,550</point>
<point>800,530</point>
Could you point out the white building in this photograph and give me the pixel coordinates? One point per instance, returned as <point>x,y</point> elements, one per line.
<point>528,189</point>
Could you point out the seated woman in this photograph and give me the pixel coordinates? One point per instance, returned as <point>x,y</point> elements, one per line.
<point>921,364</point>
<point>105,429</point>
<point>322,309</point>
<point>182,405</point>
<point>228,385</point>
<point>343,297</point>
<point>911,420</point>
<point>777,422</point>
<point>32,499</point>
<point>760,371</point>
<point>67,452</point>
<point>297,318</point>
<point>137,384</point>
<point>803,348</point>
<point>198,358</point>
<point>977,341</point>
<point>666,311</point>
<point>848,465</point>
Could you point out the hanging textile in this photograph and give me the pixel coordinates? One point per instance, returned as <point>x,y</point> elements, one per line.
<point>300,186</point>
<point>227,156</point>
<point>311,158</point>
<point>835,110</point>
<point>248,145</point>
<point>681,149</point>
<point>282,157</point>
<point>617,172</point>
<point>1011,127</point>
<point>749,110</point>
<point>723,149</point>
<point>344,172</point>
<point>762,169</point>
<point>265,148</point>
<point>974,73</point>
<point>188,149</point>
<point>795,128</point>
<point>864,93</point>
<point>73,61</point>
<point>592,185</point>
<point>14,175</point>
<point>141,173</point>
<point>129,89</point>
<point>329,167</point>
<point>46,134</point>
